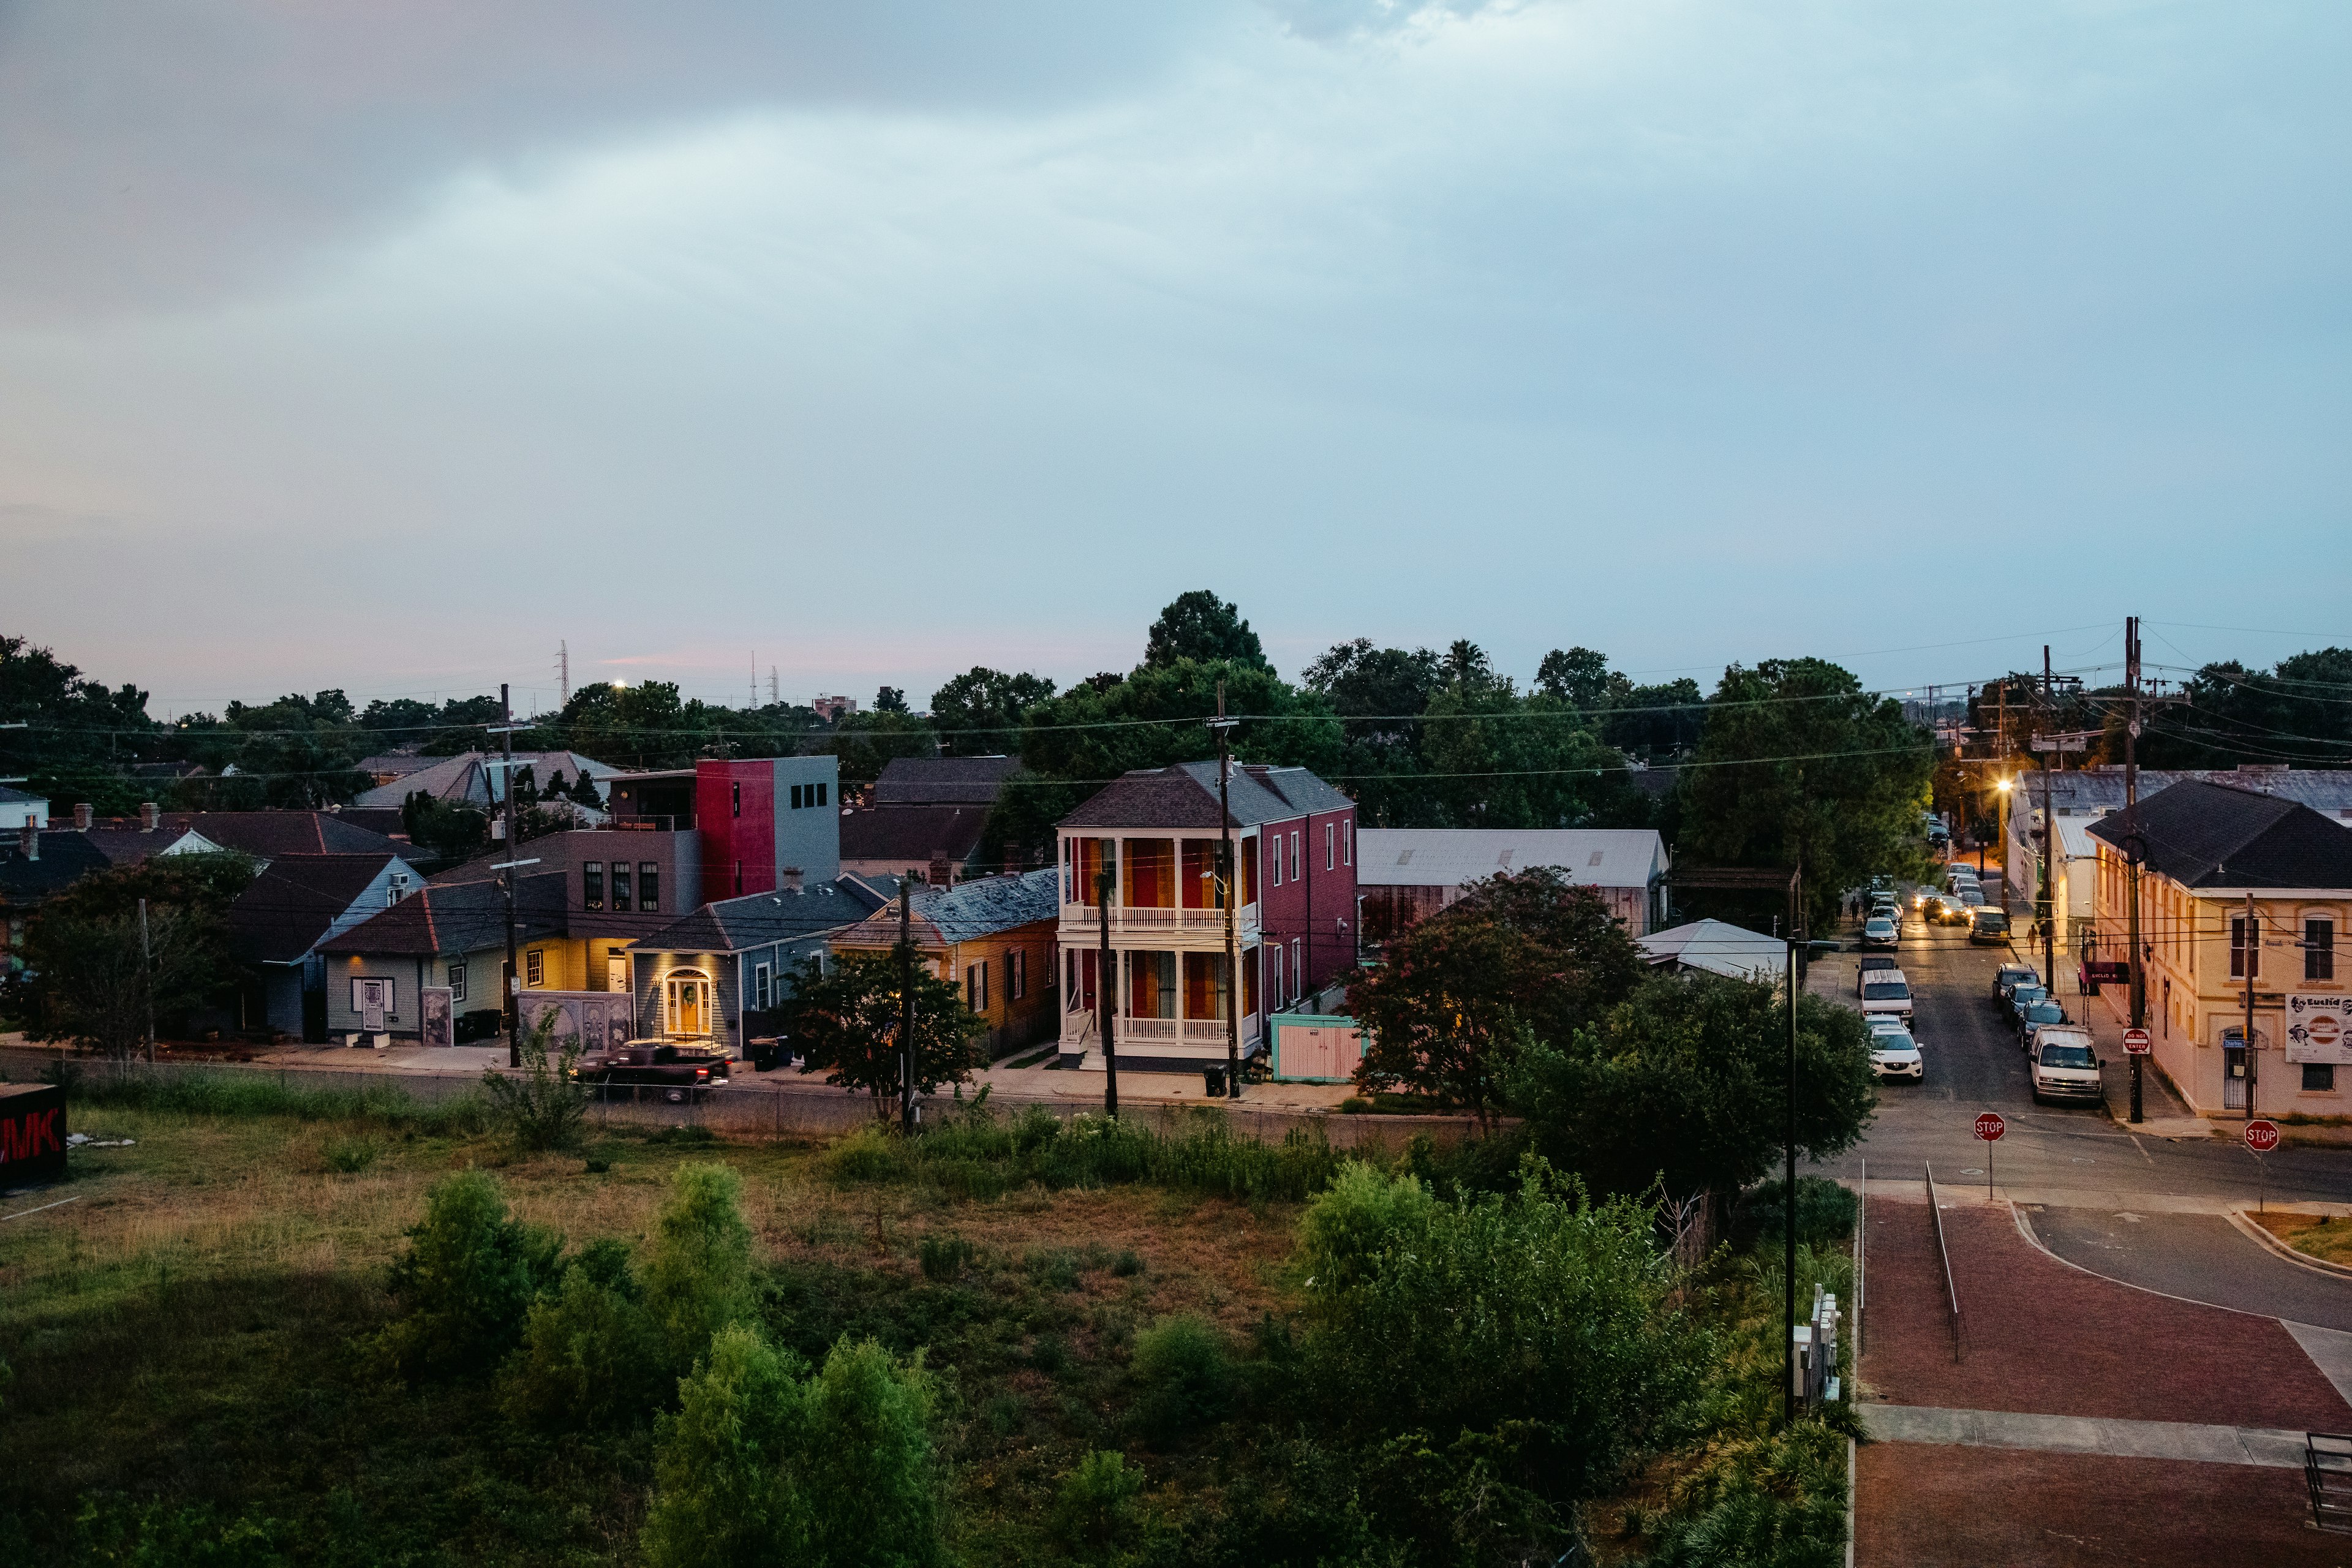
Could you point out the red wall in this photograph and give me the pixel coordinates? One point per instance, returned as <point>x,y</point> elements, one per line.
<point>1308,909</point>
<point>728,837</point>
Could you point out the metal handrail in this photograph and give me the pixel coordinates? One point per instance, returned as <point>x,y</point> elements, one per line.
<point>1951,1289</point>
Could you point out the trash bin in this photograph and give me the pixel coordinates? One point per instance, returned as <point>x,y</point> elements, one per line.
<point>1214,1080</point>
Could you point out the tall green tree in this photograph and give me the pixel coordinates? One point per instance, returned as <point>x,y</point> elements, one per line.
<point>1582,679</point>
<point>1799,765</point>
<point>1448,1009</point>
<point>846,1020</point>
<point>2298,712</point>
<point>980,712</point>
<point>79,733</point>
<point>1201,626</point>
<point>96,983</point>
<point>1379,694</point>
<point>1685,1082</point>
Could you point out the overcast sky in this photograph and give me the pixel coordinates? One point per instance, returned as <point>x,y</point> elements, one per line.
<point>382,346</point>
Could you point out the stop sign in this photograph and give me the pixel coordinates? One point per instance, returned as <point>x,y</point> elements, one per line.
<point>2135,1042</point>
<point>1990,1126</point>
<point>2261,1137</point>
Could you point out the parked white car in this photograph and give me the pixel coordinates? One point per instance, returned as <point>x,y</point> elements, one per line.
<point>1886,992</point>
<point>2065,1063</point>
<point>1894,1054</point>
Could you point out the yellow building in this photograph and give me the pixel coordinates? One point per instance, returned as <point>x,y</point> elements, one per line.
<point>993,937</point>
<point>2240,894</point>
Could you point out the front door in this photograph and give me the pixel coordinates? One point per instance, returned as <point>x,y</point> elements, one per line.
<point>616,973</point>
<point>2234,1074</point>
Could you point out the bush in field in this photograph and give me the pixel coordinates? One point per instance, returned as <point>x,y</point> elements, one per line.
<point>763,1465</point>
<point>1365,1212</point>
<point>698,1277</point>
<point>590,1356</point>
<point>974,1154</point>
<point>1184,1375</point>
<point>1094,1510</point>
<point>544,1108</point>
<point>466,1282</point>
<point>944,1258</point>
<point>1496,1359</point>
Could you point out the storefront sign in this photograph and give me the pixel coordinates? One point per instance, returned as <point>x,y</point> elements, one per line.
<point>2319,1029</point>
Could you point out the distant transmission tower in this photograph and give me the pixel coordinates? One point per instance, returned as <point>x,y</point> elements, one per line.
<point>564,670</point>
<point>772,699</point>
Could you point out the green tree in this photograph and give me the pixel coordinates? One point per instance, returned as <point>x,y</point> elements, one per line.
<point>847,1022</point>
<point>890,699</point>
<point>763,1465</point>
<point>1379,694</point>
<point>1799,765</point>
<point>1201,626</point>
<point>1493,1361</point>
<point>866,742</point>
<point>1685,1082</point>
<point>466,1282</point>
<point>2297,713</point>
<point>590,1356</point>
<point>96,985</point>
<point>1656,722</point>
<point>1456,994</point>
<point>77,732</point>
<point>980,712</point>
<point>1582,679</point>
<point>699,1278</point>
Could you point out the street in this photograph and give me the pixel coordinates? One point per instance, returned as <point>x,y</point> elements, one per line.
<point>2069,1155</point>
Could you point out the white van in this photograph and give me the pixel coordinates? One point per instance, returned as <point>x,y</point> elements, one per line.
<point>1885,993</point>
<point>2065,1063</point>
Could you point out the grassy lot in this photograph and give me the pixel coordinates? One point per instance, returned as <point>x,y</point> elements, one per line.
<point>2329,1240</point>
<point>181,1333</point>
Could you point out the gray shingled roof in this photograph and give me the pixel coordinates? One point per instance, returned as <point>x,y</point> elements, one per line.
<point>1185,795</point>
<point>459,917</point>
<point>2090,789</point>
<point>2211,835</point>
<point>289,907</point>
<point>988,905</point>
<point>761,920</point>
<point>907,836</point>
<point>943,781</point>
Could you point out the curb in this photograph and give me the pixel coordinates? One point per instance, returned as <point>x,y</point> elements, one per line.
<point>2262,1236</point>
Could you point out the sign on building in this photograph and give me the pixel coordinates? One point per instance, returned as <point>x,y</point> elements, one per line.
<point>2319,1029</point>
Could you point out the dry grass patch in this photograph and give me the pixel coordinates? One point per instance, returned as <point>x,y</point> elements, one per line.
<point>2326,1238</point>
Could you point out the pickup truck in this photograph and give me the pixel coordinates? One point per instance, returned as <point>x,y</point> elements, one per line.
<point>677,1071</point>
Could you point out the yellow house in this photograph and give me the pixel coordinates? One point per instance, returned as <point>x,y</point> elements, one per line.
<point>2242,895</point>
<point>993,936</point>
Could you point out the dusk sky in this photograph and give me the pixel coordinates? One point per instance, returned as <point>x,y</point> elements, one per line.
<point>382,346</point>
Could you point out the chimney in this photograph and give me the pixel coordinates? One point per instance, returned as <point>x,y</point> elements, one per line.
<point>28,839</point>
<point>792,879</point>
<point>150,816</point>
<point>83,816</point>
<point>940,875</point>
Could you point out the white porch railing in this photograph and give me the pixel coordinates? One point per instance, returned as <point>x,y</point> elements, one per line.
<point>1125,918</point>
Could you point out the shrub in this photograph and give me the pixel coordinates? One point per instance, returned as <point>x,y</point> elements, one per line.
<point>699,1278</point>
<point>1184,1376</point>
<point>1127,1265</point>
<point>762,1466</point>
<point>944,1258</point>
<point>723,1494</point>
<point>974,1154</point>
<point>466,1282</point>
<point>866,1156</point>
<point>590,1356</point>
<point>1094,1510</point>
<point>348,1156</point>
<point>232,1092</point>
<point>543,1108</point>
<point>1361,1215</point>
<point>1826,1213</point>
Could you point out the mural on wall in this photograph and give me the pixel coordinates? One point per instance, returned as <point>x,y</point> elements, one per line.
<point>2319,1029</point>
<point>436,1013</point>
<point>590,1020</point>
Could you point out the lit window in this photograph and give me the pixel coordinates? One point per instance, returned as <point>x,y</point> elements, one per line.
<point>649,886</point>
<point>592,885</point>
<point>620,897</point>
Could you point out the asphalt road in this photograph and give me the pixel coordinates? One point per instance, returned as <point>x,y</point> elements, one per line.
<point>1974,1064</point>
<point>2197,1256</point>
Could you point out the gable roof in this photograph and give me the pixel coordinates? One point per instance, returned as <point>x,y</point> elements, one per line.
<point>1719,948</point>
<point>467,780</point>
<point>17,797</point>
<point>297,901</point>
<point>969,911</point>
<point>461,917</point>
<point>2205,835</point>
<point>762,920</point>
<point>1451,857</point>
<point>908,836</point>
<point>66,857</point>
<point>943,781</point>
<point>1185,795</point>
<point>261,834</point>
<point>2094,789</point>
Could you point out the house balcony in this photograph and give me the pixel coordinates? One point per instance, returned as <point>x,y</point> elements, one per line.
<point>1082,925</point>
<point>1185,1040</point>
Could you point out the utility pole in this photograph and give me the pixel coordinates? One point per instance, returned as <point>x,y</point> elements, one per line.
<point>2132,854</point>
<point>2253,956</point>
<point>1107,993</point>
<point>513,999</point>
<point>1222,724</point>
<point>2047,905</point>
<point>1789,1242</point>
<point>147,978</point>
<point>907,1003</point>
